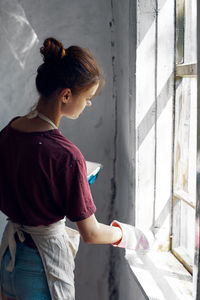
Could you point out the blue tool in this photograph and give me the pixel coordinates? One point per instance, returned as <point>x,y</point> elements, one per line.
<point>93,170</point>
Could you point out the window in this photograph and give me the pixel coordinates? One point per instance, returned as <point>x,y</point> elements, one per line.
<point>165,151</point>
<point>185,132</point>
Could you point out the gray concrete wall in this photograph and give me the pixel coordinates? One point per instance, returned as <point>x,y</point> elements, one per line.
<point>103,133</point>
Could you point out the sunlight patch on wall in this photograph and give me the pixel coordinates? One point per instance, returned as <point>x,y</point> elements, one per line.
<point>17,31</point>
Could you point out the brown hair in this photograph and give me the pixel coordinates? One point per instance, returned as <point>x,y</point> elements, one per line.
<point>74,68</point>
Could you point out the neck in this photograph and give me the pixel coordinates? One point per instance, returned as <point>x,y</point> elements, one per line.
<point>50,109</point>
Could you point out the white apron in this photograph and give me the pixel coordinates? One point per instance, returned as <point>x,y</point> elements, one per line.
<point>57,245</point>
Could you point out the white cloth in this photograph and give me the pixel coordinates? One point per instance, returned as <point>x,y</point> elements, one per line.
<point>57,245</point>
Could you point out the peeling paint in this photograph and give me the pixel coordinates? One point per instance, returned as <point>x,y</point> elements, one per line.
<point>111,23</point>
<point>113,281</point>
<point>99,123</point>
<point>113,285</point>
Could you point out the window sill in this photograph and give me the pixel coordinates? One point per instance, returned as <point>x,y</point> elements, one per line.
<point>161,275</point>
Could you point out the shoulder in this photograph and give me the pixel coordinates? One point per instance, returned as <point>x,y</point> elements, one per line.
<point>67,148</point>
<point>66,152</point>
<point>5,128</point>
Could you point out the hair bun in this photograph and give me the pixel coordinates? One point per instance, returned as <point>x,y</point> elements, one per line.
<point>52,50</point>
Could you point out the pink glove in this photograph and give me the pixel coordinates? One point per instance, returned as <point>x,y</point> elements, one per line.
<point>132,237</point>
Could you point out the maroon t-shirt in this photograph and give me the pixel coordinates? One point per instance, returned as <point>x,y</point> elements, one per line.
<point>43,177</point>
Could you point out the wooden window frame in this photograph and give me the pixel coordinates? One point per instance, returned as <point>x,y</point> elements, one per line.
<point>182,70</point>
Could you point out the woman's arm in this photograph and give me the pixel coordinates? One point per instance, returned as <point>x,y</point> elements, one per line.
<point>93,232</point>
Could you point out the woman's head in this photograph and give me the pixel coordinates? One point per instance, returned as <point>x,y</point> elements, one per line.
<point>73,68</point>
<point>74,105</point>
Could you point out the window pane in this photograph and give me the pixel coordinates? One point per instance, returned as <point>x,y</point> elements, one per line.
<point>180,15</point>
<point>185,136</point>
<point>184,231</point>
<point>190,46</point>
<point>187,231</point>
<point>185,139</point>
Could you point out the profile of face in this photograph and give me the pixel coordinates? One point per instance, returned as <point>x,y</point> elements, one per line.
<point>75,104</point>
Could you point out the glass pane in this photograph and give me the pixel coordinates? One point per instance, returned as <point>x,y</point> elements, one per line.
<point>187,232</point>
<point>185,136</point>
<point>186,30</point>
<point>190,31</point>
<point>184,230</point>
<point>180,15</point>
<point>185,139</point>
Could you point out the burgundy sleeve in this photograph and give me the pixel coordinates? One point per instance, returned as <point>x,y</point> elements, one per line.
<point>78,200</point>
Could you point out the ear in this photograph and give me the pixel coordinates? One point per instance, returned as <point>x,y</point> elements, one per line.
<point>65,95</point>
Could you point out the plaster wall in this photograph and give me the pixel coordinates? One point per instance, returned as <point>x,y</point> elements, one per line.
<point>102,133</point>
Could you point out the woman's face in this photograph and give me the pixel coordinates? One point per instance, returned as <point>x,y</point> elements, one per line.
<point>76,104</point>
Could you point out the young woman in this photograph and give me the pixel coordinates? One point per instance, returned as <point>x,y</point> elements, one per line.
<point>43,179</point>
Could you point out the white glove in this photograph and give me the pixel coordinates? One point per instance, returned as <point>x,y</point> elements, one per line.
<point>133,238</point>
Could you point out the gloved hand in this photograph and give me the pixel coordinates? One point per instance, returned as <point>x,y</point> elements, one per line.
<point>133,238</point>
